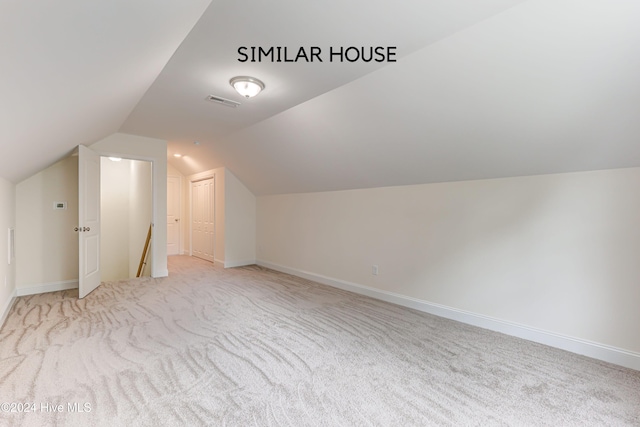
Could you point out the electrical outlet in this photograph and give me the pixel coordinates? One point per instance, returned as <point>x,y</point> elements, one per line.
<point>374,270</point>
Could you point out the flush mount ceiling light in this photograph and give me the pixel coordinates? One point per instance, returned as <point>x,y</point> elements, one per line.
<point>247,86</point>
<point>177,155</point>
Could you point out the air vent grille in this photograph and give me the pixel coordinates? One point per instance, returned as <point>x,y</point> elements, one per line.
<point>223,101</point>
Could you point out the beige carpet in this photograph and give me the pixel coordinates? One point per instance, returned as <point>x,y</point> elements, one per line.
<point>250,346</point>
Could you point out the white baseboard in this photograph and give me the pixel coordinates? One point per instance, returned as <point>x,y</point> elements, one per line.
<point>7,307</point>
<point>48,287</point>
<point>218,261</point>
<point>595,350</point>
<point>161,273</point>
<point>231,264</point>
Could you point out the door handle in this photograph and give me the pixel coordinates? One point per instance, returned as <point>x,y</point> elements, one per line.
<point>177,219</point>
<point>86,229</point>
<point>76,229</point>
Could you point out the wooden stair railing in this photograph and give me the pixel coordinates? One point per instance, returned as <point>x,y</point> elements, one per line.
<point>143,259</point>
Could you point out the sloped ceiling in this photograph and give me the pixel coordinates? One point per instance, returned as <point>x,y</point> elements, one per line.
<point>71,71</point>
<point>481,89</point>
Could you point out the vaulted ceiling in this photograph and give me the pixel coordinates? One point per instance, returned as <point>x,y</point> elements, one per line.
<point>480,89</point>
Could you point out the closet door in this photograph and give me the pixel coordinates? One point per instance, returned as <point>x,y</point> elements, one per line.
<point>202,219</point>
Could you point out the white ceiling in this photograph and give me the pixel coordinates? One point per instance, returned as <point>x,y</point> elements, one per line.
<point>71,71</point>
<point>175,109</point>
<point>481,89</point>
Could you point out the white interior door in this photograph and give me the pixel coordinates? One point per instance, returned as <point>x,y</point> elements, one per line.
<point>89,220</point>
<point>202,219</point>
<point>173,215</point>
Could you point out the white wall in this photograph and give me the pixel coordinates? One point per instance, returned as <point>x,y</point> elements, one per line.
<point>239,223</point>
<point>154,150</point>
<point>46,245</point>
<point>140,214</point>
<point>7,271</point>
<point>557,253</point>
<point>114,219</point>
<point>125,216</point>
<point>235,218</point>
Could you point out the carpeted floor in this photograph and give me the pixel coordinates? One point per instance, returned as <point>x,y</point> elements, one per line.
<point>250,346</point>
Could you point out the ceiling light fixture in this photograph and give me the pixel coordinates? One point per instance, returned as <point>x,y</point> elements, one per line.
<point>177,155</point>
<point>247,86</point>
<point>115,159</point>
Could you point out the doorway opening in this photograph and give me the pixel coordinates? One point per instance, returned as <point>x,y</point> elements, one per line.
<point>126,210</point>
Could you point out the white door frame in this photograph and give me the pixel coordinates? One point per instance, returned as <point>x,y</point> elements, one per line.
<point>180,201</point>
<point>154,200</point>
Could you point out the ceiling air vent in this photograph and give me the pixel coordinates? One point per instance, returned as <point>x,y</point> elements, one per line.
<point>223,101</point>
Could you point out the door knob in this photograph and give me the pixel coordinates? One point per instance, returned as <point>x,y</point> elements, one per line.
<point>86,229</point>
<point>76,229</point>
<point>177,219</point>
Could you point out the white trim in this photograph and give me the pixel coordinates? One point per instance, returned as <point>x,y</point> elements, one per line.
<point>155,247</point>
<point>193,179</point>
<point>48,287</point>
<point>154,200</point>
<point>126,156</point>
<point>231,264</point>
<point>7,307</point>
<point>161,273</point>
<point>181,231</point>
<point>11,245</point>
<point>201,176</point>
<point>181,238</point>
<point>592,349</point>
<point>218,261</point>
<point>215,220</point>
